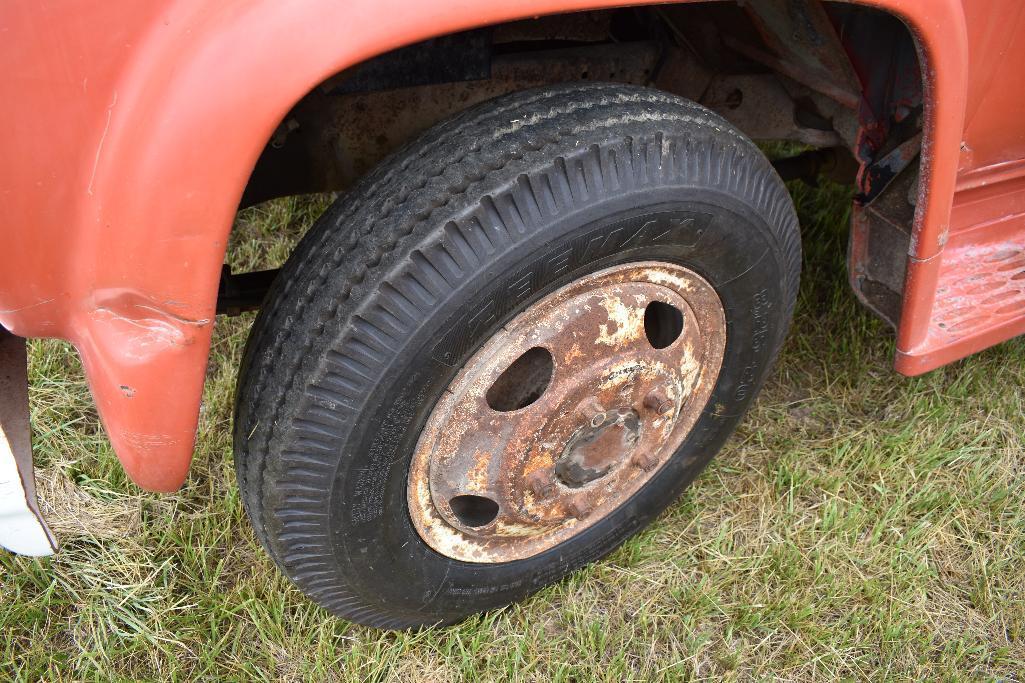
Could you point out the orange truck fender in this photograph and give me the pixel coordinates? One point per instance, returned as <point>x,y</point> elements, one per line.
<point>130,130</point>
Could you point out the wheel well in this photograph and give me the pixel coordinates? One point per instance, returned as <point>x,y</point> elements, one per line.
<point>818,75</point>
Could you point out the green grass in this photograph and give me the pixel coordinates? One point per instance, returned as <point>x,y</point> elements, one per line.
<point>858,525</point>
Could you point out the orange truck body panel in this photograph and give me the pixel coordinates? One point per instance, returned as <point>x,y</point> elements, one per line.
<point>129,130</point>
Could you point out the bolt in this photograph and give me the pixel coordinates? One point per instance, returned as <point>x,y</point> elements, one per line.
<point>644,460</point>
<point>579,508</point>
<point>592,411</point>
<point>657,401</point>
<point>540,484</point>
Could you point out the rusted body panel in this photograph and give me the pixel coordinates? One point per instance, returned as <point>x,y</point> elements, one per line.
<point>130,130</point>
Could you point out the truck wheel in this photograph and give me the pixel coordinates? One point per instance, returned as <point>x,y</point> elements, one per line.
<point>510,348</point>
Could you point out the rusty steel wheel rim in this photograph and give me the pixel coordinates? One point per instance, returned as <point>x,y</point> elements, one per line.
<point>566,412</point>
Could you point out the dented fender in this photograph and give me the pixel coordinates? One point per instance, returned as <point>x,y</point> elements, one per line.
<point>130,129</point>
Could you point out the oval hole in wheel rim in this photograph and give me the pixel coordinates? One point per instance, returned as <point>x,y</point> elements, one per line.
<point>663,324</point>
<point>523,381</point>
<point>474,511</point>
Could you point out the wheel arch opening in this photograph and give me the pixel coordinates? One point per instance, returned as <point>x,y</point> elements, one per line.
<point>836,89</point>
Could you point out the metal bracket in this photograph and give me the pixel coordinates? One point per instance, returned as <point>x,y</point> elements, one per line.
<point>22,529</point>
<point>241,292</point>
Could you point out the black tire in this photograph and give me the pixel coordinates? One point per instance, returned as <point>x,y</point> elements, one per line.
<point>402,279</point>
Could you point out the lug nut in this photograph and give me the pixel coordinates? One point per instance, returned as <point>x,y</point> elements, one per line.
<point>644,460</point>
<point>540,484</point>
<point>579,508</point>
<point>592,411</point>
<point>658,402</point>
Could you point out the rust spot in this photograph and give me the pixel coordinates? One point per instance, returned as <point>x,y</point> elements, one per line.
<point>596,447</point>
<point>611,410</point>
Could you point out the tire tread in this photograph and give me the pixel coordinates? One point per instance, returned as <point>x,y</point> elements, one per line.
<point>359,235</point>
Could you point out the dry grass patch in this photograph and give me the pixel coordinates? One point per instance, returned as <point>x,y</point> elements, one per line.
<point>859,525</point>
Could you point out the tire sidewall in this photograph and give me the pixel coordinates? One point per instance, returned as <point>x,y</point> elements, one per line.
<point>713,233</point>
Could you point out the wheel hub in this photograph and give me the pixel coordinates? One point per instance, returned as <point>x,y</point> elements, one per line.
<point>593,449</point>
<point>566,412</point>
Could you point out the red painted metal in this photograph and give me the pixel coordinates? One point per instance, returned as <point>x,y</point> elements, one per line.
<point>987,202</point>
<point>129,130</point>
